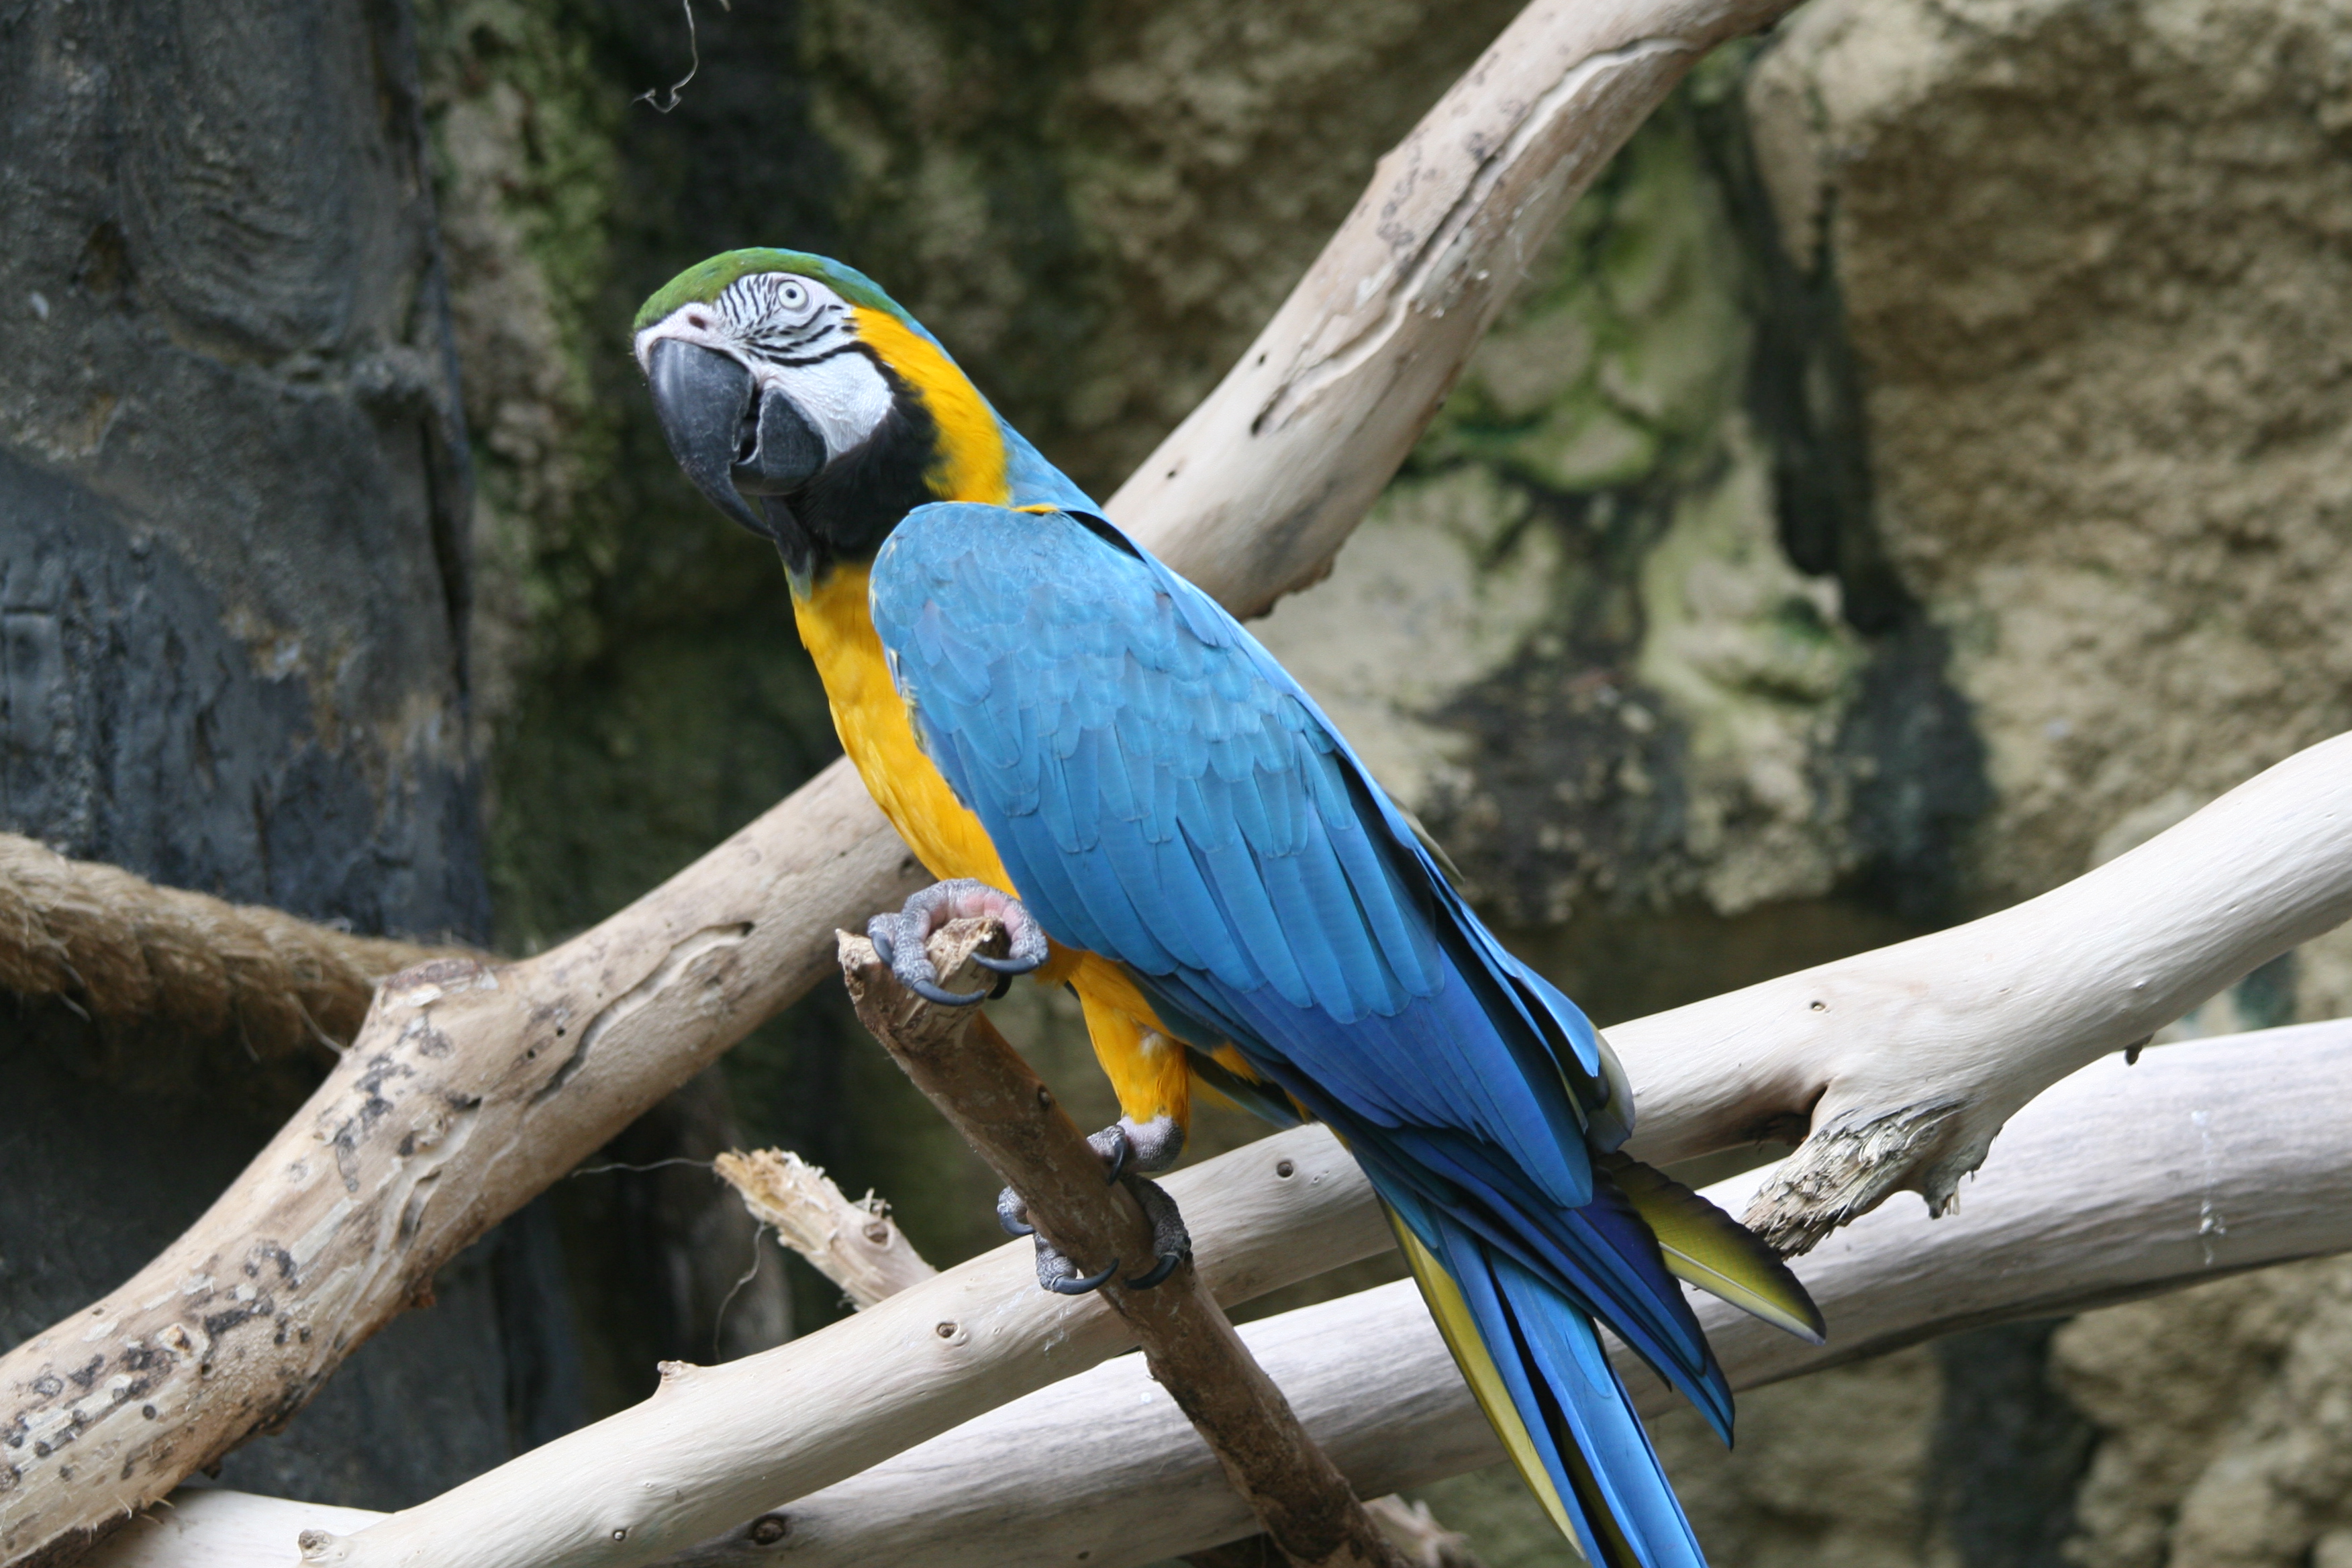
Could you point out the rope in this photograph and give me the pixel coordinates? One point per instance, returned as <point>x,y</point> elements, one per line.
<point>122,950</point>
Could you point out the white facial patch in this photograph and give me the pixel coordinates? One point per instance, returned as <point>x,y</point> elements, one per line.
<point>845,397</point>
<point>797,337</point>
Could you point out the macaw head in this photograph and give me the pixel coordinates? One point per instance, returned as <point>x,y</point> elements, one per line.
<point>809,407</point>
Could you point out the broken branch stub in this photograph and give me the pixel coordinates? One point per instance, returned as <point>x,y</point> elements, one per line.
<point>856,1246</point>
<point>1012,1121</point>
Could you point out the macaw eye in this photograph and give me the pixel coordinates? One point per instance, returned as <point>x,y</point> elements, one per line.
<point>793,297</point>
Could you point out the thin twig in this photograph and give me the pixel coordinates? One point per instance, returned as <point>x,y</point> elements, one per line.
<point>718,1324</point>
<point>612,1166</point>
<point>694,48</point>
<point>1012,1120</point>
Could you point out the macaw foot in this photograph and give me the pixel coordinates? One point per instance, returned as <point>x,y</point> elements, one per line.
<point>1171,1243</point>
<point>1127,1150</point>
<point>1146,1148</point>
<point>898,939</point>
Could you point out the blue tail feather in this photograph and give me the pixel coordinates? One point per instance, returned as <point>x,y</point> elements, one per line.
<point>1577,1411</point>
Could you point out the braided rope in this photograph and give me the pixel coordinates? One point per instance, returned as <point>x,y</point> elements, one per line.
<point>125,951</point>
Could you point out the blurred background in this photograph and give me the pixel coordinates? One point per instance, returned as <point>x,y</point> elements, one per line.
<point>1919,470</point>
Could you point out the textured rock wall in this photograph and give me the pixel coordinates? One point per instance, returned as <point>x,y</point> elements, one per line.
<point>233,606</point>
<point>1571,635</point>
<point>2092,259</point>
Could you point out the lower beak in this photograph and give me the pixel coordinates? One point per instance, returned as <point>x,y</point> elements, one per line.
<point>703,398</point>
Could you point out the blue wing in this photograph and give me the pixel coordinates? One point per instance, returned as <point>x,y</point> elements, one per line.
<point>1162,793</point>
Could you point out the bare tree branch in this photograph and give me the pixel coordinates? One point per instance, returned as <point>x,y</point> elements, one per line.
<point>1241,496</point>
<point>1013,1122</point>
<point>2264,867</point>
<point>2205,1160</point>
<point>855,1245</point>
<point>2001,1007</point>
<point>125,951</point>
<point>1905,1062</point>
<point>723,1443</point>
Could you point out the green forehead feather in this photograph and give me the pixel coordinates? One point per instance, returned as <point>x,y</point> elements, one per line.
<point>704,282</point>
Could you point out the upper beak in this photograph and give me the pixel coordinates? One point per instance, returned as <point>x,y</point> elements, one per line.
<point>701,397</point>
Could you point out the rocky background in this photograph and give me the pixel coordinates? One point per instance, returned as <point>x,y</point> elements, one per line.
<point>1921,470</point>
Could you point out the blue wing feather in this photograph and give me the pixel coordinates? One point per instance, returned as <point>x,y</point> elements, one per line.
<point>1162,793</point>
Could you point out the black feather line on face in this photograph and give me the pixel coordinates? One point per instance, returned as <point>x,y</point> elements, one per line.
<point>850,507</point>
<point>785,359</point>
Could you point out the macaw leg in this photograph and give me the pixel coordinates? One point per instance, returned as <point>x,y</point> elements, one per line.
<point>1127,1150</point>
<point>898,939</point>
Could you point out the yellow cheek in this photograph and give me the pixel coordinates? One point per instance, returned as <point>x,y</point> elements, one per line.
<point>970,463</point>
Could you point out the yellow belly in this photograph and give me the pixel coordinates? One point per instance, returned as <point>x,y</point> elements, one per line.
<point>1147,1069</point>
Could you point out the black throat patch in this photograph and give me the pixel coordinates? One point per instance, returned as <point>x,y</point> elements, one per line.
<point>849,508</point>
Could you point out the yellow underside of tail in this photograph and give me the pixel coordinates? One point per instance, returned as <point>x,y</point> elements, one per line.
<point>1478,1370</point>
<point>1706,1247</point>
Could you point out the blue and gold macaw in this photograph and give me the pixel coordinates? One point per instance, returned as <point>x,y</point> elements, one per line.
<point>1076,739</point>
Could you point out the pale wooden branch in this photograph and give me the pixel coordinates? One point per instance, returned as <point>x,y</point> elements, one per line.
<point>470,1089</point>
<point>212,1527</point>
<point>1242,495</point>
<point>1905,1062</point>
<point>715,1446</point>
<point>855,1244</point>
<point>2261,869</point>
<point>2176,909</point>
<point>2207,1159</point>
<point>1012,1121</point>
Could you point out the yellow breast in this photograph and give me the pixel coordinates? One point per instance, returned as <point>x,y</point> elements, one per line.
<point>879,736</point>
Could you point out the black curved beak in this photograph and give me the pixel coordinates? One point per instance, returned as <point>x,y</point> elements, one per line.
<point>732,440</point>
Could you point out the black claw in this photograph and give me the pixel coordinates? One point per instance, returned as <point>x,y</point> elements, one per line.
<point>1012,1215</point>
<point>1166,1265</point>
<point>1119,1149</point>
<point>1170,1242</point>
<point>1080,1287</point>
<point>945,999</point>
<point>890,935</point>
